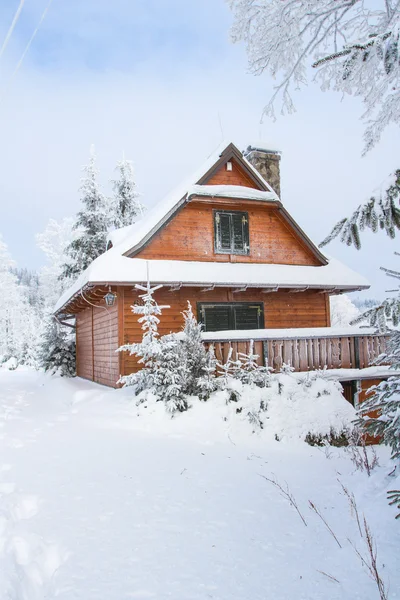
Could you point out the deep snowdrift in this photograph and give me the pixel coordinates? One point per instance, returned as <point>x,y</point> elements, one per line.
<point>98,502</point>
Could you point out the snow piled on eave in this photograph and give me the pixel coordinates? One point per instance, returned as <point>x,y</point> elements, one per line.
<point>231,191</point>
<point>112,268</point>
<point>281,334</point>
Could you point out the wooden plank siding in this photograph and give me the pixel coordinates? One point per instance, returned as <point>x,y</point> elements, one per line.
<point>190,236</point>
<point>281,310</point>
<point>97,339</point>
<point>235,177</point>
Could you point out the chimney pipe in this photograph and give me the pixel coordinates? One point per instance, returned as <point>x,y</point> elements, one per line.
<point>267,164</point>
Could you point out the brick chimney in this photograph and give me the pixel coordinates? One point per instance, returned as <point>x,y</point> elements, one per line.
<point>267,164</point>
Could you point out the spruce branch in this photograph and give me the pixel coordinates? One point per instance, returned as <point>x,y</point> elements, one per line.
<point>375,214</point>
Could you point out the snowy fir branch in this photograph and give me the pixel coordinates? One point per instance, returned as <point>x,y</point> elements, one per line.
<point>353,48</point>
<point>377,214</point>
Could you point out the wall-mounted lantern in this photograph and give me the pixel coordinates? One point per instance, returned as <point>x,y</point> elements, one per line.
<point>110,297</point>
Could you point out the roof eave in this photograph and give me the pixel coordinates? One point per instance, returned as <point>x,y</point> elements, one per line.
<point>329,289</point>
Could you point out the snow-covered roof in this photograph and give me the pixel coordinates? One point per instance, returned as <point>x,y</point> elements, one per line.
<point>131,238</point>
<point>231,191</point>
<point>112,268</point>
<point>281,334</point>
<point>117,265</point>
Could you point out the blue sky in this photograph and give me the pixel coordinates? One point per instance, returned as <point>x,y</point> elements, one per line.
<point>157,80</point>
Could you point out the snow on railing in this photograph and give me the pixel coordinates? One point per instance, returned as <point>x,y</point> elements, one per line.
<point>304,349</point>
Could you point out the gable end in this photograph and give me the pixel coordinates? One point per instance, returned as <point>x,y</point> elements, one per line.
<point>231,152</point>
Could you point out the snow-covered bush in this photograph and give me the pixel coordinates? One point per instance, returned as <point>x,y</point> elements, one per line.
<point>178,371</point>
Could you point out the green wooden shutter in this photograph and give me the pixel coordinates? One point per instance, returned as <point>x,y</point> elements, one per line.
<point>240,233</point>
<point>247,316</point>
<point>222,232</point>
<point>216,317</point>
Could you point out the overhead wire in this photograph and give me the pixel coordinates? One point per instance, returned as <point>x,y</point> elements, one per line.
<point>21,60</point>
<point>12,27</point>
<point>42,18</point>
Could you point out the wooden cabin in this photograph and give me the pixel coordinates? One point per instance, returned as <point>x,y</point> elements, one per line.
<point>224,241</point>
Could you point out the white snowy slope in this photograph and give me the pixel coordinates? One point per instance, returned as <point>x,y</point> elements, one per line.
<point>97,503</point>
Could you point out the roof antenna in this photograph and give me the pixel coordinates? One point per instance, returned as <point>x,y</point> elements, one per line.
<point>220,126</point>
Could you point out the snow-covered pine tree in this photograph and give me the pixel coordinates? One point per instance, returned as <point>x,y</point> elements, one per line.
<point>18,319</point>
<point>56,352</point>
<point>207,382</point>
<point>250,372</point>
<point>125,207</point>
<point>171,374</point>
<point>148,349</point>
<point>91,224</point>
<point>352,45</point>
<point>193,350</point>
<point>376,214</point>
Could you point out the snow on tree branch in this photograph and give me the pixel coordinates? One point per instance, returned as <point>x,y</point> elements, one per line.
<point>376,214</point>
<point>353,47</point>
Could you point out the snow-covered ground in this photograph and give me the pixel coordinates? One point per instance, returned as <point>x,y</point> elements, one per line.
<point>97,502</point>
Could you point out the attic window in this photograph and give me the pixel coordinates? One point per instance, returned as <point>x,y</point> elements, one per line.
<point>231,232</point>
<point>229,166</point>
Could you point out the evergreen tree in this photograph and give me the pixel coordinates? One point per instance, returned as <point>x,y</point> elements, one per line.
<point>125,206</point>
<point>250,372</point>
<point>91,224</point>
<point>18,320</point>
<point>56,347</point>
<point>207,382</point>
<point>193,350</point>
<point>352,45</point>
<point>171,374</point>
<point>148,349</point>
<point>376,214</point>
<point>56,351</point>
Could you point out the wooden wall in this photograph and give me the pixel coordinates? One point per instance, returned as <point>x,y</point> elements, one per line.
<point>281,310</point>
<point>190,236</point>
<point>97,340</point>
<point>235,177</point>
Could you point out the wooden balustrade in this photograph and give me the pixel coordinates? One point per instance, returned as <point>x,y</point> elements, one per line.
<point>307,353</point>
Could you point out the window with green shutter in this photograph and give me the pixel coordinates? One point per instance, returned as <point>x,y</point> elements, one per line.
<point>231,232</point>
<point>224,316</point>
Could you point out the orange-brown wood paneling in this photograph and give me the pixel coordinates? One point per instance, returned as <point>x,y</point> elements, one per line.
<point>105,343</point>
<point>235,177</point>
<point>84,345</point>
<point>96,340</point>
<point>281,310</point>
<point>190,236</point>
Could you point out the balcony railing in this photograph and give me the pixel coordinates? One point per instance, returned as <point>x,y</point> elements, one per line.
<point>303,349</point>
